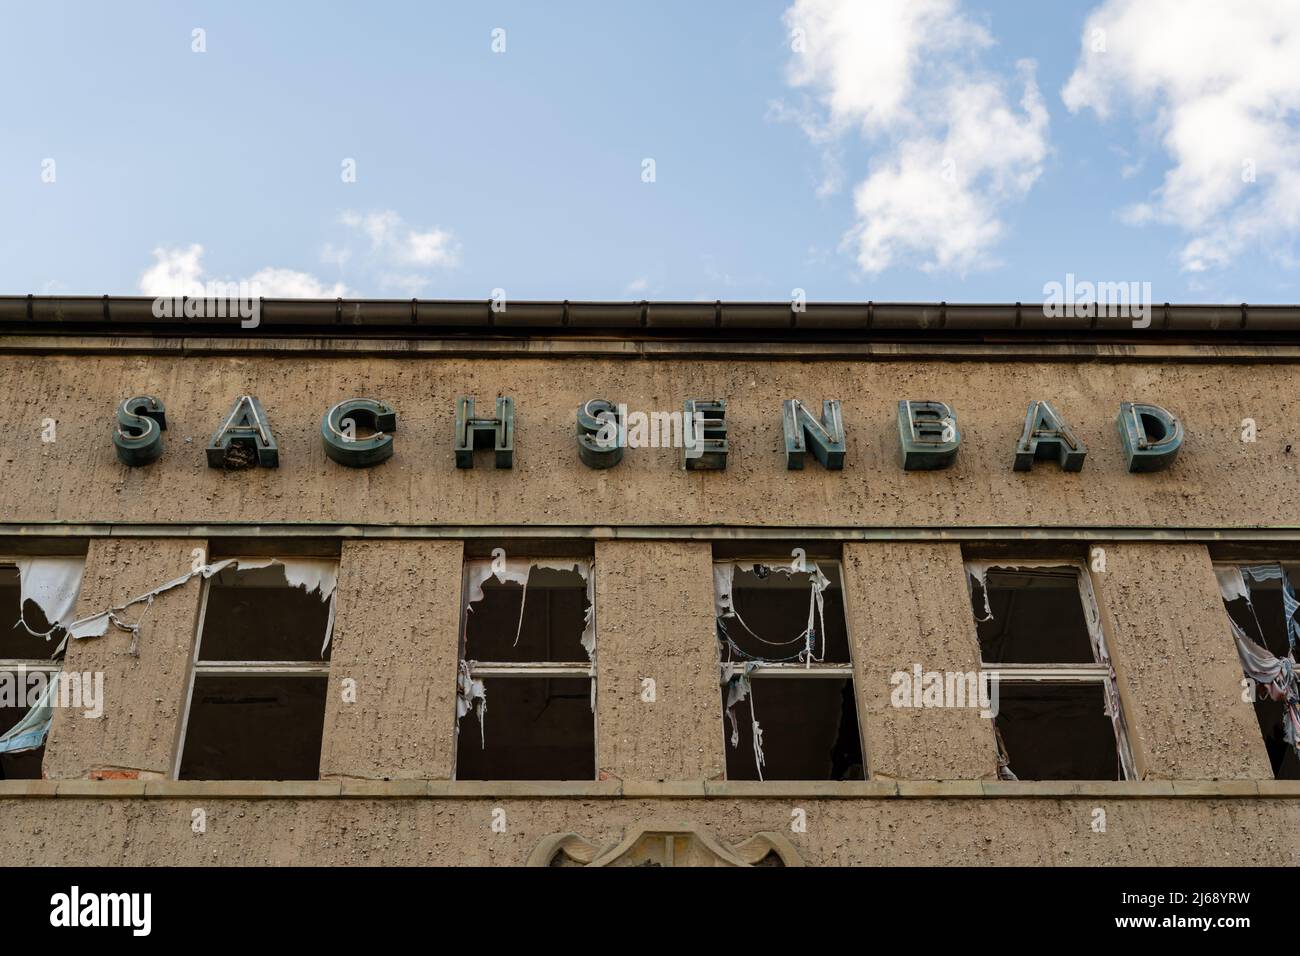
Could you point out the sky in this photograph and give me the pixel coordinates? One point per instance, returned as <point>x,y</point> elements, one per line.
<point>958,150</point>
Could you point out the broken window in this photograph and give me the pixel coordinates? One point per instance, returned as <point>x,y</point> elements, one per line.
<point>787,679</point>
<point>261,670</point>
<point>37,595</point>
<point>1057,713</point>
<point>527,647</point>
<point>1261,604</point>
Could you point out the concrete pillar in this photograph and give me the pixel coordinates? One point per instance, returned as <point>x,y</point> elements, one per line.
<point>395,634</point>
<point>1179,677</point>
<point>654,619</point>
<point>144,696</point>
<point>907,604</point>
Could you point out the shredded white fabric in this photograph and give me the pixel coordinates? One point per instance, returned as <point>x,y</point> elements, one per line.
<point>311,575</point>
<point>52,584</point>
<point>724,576</point>
<point>517,571</point>
<point>471,694</point>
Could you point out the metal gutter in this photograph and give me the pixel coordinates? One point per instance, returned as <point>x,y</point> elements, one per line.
<point>135,315</point>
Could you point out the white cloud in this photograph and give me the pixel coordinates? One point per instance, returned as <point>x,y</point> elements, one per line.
<point>392,240</point>
<point>1219,82</point>
<point>179,271</point>
<point>636,288</point>
<point>953,150</point>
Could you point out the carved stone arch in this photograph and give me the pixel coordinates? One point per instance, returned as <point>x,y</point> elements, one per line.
<point>665,845</point>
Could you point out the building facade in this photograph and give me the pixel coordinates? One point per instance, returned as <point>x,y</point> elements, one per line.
<point>683,583</point>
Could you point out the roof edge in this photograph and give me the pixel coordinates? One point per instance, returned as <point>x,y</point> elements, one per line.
<point>349,316</point>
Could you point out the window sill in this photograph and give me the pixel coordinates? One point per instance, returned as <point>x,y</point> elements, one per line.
<point>614,789</point>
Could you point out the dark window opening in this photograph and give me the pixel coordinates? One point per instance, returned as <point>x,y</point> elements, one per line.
<point>255,615</point>
<point>774,605</point>
<point>535,728</point>
<point>18,766</point>
<point>246,727</point>
<point>809,727</point>
<point>1037,617</point>
<point>257,702</point>
<point>1058,731</point>
<point>1281,755</point>
<point>554,611</point>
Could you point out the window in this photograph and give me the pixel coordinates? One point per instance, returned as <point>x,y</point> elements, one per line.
<point>36,595</point>
<point>528,641</point>
<point>1261,604</point>
<point>787,680</point>
<point>1058,715</point>
<point>261,670</point>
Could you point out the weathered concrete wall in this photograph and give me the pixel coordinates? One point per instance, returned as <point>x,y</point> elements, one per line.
<point>907,605</point>
<point>145,695</point>
<point>395,634</point>
<point>1177,666</point>
<point>457,831</point>
<point>1218,480</point>
<point>654,618</point>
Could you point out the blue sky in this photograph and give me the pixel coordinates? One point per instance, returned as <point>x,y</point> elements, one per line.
<point>523,169</point>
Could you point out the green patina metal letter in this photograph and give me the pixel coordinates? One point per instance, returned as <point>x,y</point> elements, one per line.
<point>137,435</point>
<point>473,433</point>
<point>601,438</point>
<point>927,435</point>
<point>1046,436</point>
<point>1151,436</point>
<point>825,436</point>
<point>704,435</point>
<point>338,430</point>
<point>244,438</point>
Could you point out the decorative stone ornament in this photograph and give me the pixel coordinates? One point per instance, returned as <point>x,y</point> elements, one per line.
<point>137,435</point>
<point>338,430</point>
<point>658,845</point>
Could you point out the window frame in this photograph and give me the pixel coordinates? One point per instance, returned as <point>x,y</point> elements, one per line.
<point>480,670</point>
<point>1100,672</point>
<point>199,667</point>
<point>809,670</point>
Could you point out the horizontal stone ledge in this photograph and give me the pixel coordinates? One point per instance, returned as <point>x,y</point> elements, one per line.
<point>596,348</point>
<point>45,532</point>
<point>650,789</point>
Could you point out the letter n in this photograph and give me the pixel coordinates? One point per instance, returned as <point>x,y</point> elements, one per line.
<point>801,430</point>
